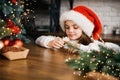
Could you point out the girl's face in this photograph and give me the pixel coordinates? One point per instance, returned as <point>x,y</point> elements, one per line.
<point>72,30</point>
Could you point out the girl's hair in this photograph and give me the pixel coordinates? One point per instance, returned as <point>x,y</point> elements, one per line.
<point>84,39</point>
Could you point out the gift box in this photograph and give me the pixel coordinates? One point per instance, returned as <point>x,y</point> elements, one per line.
<point>13,53</point>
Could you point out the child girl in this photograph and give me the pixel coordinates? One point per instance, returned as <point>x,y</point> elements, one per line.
<point>83,29</point>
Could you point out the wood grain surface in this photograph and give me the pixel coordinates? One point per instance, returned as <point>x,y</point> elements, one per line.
<point>41,64</point>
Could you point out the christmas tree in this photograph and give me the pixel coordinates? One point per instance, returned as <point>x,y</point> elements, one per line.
<point>11,27</point>
<point>105,61</point>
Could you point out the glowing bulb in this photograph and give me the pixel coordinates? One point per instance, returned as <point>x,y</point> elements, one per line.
<point>11,4</point>
<point>2,33</point>
<point>27,4</point>
<point>88,55</point>
<point>79,69</point>
<point>2,20</point>
<point>83,69</point>
<point>75,60</point>
<point>5,4</point>
<point>66,60</point>
<point>83,64</point>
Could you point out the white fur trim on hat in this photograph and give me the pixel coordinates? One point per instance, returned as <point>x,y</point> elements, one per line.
<point>86,25</point>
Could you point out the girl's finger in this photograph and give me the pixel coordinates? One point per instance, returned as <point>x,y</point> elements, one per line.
<point>58,45</point>
<point>70,50</point>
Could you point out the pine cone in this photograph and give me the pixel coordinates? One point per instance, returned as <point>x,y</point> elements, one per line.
<point>11,48</point>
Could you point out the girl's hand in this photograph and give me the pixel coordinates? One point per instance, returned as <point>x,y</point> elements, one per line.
<point>56,43</point>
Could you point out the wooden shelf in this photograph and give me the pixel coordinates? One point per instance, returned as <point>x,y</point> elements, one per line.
<point>111,38</point>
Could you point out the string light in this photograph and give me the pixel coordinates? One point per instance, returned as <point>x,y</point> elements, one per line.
<point>33,16</point>
<point>5,4</point>
<point>106,57</point>
<point>83,64</point>
<point>79,68</point>
<point>91,62</point>
<point>102,62</point>
<point>2,33</point>
<point>76,61</point>
<point>2,20</point>
<point>88,55</point>
<point>13,15</point>
<point>93,56</point>
<point>11,4</point>
<point>97,64</point>
<point>67,60</point>
<point>83,69</point>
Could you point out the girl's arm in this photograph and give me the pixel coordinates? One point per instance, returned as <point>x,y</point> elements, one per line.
<point>44,40</point>
<point>50,41</point>
<point>95,46</point>
<point>113,46</point>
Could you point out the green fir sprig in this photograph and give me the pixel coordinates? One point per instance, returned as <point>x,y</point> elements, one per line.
<point>14,12</point>
<point>104,61</point>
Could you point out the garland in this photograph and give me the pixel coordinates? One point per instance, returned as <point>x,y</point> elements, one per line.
<point>104,61</point>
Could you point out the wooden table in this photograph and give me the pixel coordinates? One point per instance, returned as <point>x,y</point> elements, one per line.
<point>41,64</point>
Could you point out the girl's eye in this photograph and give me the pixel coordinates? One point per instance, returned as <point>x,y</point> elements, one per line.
<point>66,27</point>
<point>75,26</point>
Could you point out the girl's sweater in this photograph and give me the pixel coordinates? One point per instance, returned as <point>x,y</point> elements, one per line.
<point>44,40</point>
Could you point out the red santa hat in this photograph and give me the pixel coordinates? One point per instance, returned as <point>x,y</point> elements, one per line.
<point>84,18</point>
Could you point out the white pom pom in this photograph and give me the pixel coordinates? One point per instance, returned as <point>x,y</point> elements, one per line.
<point>1,44</point>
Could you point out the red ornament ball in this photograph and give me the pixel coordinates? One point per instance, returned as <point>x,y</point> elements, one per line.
<point>13,1</point>
<point>6,41</point>
<point>9,22</point>
<point>17,43</point>
<point>15,29</point>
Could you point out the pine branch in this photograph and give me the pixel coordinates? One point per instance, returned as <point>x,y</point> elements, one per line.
<point>105,61</point>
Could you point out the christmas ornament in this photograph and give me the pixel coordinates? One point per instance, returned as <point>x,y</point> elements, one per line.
<point>9,23</point>
<point>1,44</point>
<point>15,29</point>
<point>11,12</point>
<point>13,1</point>
<point>17,43</point>
<point>6,41</point>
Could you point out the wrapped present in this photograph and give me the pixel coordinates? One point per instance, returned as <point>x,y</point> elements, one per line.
<point>13,53</point>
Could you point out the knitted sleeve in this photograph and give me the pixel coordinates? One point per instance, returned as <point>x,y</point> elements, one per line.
<point>95,46</point>
<point>112,46</point>
<point>44,40</point>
